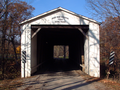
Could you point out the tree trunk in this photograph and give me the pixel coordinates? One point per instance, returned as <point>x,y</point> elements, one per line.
<point>64,52</point>
<point>14,50</point>
<point>4,28</point>
<point>2,56</point>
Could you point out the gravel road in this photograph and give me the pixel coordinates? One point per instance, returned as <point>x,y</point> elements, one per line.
<point>67,80</point>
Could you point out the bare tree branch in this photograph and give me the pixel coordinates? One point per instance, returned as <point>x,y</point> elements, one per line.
<point>104,8</point>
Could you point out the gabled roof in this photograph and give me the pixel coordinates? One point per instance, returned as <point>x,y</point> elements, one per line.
<point>58,9</point>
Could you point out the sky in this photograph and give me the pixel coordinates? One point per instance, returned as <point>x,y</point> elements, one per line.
<point>76,6</point>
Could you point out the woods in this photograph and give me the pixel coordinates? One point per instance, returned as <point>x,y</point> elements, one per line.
<point>61,51</point>
<point>108,11</point>
<point>12,12</point>
<point>110,41</point>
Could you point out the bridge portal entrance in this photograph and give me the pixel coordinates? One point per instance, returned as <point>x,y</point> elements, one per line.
<point>59,48</point>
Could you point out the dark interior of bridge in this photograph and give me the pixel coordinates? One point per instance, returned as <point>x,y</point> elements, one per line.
<point>48,38</point>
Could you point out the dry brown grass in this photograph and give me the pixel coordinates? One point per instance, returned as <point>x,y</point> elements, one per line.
<point>10,84</point>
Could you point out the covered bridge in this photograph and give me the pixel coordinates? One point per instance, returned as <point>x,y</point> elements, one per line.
<point>75,34</point>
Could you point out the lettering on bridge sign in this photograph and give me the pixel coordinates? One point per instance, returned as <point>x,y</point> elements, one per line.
<point>60,19</point>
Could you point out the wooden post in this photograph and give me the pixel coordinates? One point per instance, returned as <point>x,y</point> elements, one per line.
<point>83,32</point>
<point>36,32</point>
<point>64,51</point>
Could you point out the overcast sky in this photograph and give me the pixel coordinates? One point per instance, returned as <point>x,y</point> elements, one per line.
<point>77,6</point>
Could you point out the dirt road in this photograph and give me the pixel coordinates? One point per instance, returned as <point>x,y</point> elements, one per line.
<point>69,80</point>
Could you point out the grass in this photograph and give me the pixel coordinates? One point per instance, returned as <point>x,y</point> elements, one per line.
<point>10,84</point>
<point>113,85</point>
<point>62,57</point>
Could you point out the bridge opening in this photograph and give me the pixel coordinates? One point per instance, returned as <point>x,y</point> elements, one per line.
<point>58,49</point>
<point>61,52</point>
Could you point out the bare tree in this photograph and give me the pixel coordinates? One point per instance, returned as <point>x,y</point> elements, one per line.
<point>102,9</point>
<point>3,17</point>
<point>109,41</point>
<point>12,12</point>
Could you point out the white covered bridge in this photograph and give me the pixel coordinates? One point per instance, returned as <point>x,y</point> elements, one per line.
<point>60,27</point>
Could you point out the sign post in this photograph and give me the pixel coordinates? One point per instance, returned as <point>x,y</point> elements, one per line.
<point>111,61</point>
<point>24,60</point>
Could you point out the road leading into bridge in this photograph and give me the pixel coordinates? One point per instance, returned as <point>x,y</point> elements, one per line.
<point>67,80</point>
